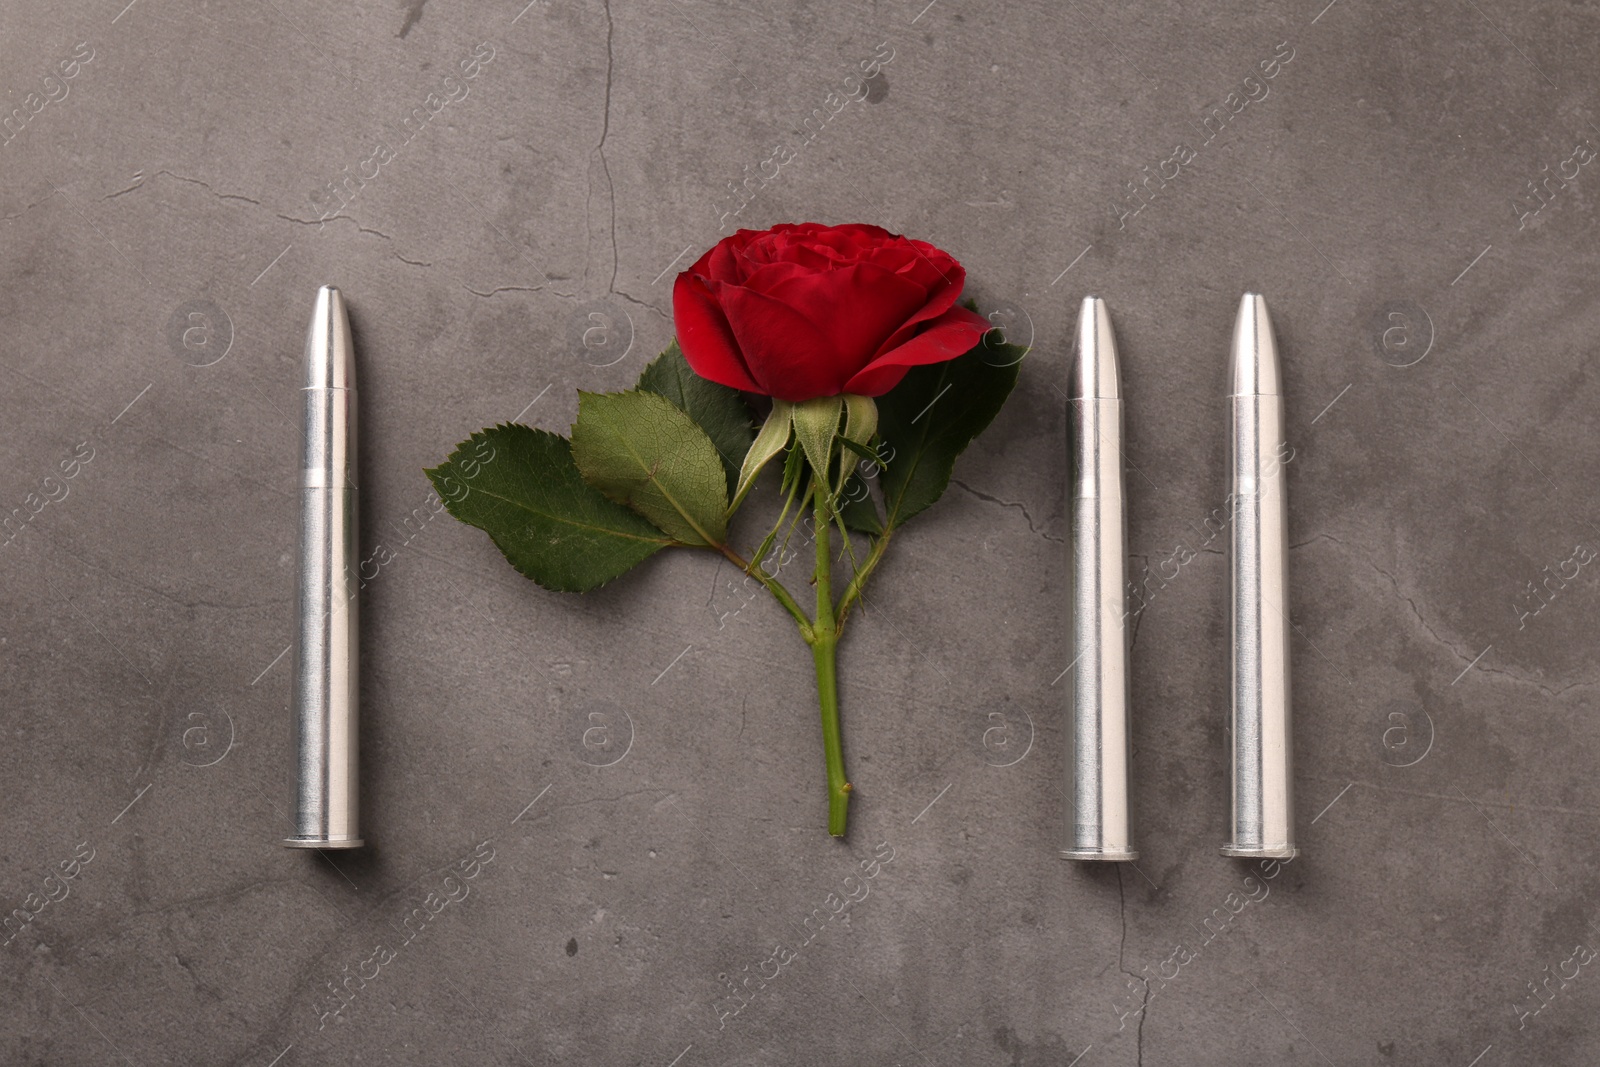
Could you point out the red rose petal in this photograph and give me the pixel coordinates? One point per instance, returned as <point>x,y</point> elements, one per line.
<point>857,308</point>
<point>951,335</point>
<point>768,276</point>
<point>707,341</point>
<point>940,301</point>
<point>787,355</point>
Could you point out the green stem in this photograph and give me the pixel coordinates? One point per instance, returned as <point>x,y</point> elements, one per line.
<point>824,643</point>
<point>824,653</point>
<point>852,592</point>
<point>773,586</point>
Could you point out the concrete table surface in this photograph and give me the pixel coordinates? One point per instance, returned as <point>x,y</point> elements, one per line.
<point>596,822</point>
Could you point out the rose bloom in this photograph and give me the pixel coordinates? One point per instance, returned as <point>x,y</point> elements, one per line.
<point>805,310</point>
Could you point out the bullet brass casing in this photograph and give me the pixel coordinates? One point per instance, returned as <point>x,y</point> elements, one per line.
<point>1097,778</point>
<point>1262,778</point>
<point>327,635</point>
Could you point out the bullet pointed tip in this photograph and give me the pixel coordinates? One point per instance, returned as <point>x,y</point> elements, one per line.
<point>330,359</point>
<point>1255,350</point>
<point>1094,366</point>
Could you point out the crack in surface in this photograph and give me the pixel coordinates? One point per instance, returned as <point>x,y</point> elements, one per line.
<point>28,207</point>
<point>1007,504</point>
<point>319,223</point>
<point>600,154</point>
<point>504,289</point>
<point>1412,604</point>
<point>641,303</point>
<point>1544,689</point>
<point>1464,658</point>
<point>412,262</point>
<point>138,184</point>
<point>1314,540</point>
<point>1122,962</point>
<point>1138,616</point>
<point>207,186</point>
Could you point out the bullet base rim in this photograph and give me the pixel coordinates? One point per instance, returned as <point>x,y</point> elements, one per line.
<point>1101,855</point>
<point>323,842</point>
<point>1267,852</point>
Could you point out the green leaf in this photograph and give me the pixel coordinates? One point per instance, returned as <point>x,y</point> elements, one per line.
<point>641,450</point>
<point>816,424</point>
<point>932,415</point>
<point>774,435</point>
<point>719,411</point>
<point>520,486</point>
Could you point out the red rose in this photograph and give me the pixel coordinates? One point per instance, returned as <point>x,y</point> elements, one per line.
<point>802,311</point>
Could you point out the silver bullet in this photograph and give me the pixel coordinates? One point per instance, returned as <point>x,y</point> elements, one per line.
<point>327,635</point>
<point>1097,782</point>
<point>1263,781</point>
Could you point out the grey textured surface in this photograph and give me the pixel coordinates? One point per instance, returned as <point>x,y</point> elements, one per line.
<point>1445,735</point>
